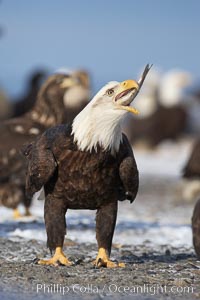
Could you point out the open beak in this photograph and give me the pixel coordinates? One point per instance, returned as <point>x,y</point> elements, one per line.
<point>125,95</point>
<point>128,90</point>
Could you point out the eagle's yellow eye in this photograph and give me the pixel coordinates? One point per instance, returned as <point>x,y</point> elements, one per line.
<point>110,92</point>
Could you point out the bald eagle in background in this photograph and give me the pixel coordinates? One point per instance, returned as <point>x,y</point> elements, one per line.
<point>161,100</point>
<point>89,165</point>
<point>49,110</point>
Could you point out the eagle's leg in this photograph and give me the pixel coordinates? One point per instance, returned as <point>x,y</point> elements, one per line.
<point>54,215</point>
<point>27,203</point>
<point>105,225</point>
<point>27,212</point>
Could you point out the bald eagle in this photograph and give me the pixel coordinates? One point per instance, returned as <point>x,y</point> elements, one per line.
<point>161,100</point>
<point>49,110</point>
<point>89,165</point>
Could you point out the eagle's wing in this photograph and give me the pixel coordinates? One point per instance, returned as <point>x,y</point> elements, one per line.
<point>41,165</point>
<point>192,168</point>
<point>128,171</point>
<point>41,154</point>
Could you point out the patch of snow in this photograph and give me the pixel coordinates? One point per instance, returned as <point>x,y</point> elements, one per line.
<point>29,234</point>
<point>167,160</point>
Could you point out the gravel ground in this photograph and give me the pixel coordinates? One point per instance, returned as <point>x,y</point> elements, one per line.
<point>149,273</point>
<point>160,270</point>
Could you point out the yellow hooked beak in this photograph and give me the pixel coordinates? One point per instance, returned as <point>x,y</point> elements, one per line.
<point>127,87</point>
<point>68,82</point>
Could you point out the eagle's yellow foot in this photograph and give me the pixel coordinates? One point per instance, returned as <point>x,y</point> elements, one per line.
<point>103,260</point>
<point>108,264</point>
<point>58,257</point>
<point>16,214</point>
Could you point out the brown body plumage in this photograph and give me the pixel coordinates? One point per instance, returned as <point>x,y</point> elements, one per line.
<point>48,111</point>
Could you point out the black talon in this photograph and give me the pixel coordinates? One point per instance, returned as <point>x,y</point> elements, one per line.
<point>36,260</point>
<point>99,262</point>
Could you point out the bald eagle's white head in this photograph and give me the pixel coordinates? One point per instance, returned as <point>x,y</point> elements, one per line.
<point>99,123</point>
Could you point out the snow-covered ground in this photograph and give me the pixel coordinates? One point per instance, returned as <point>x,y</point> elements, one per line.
<point>157,217</point>
<point>167,160</point>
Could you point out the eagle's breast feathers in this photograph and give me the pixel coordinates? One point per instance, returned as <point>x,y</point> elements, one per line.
<point>86,178</point>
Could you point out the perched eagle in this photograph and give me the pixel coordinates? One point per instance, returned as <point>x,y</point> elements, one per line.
<point>50,109</point>
<point>191,174</point>
<point>89,165</point>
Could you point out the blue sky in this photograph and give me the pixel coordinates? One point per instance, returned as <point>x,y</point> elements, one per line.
<point>112,39</point>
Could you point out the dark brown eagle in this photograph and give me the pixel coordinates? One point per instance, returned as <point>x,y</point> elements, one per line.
<point>89,165</point>
<point>50,109</point>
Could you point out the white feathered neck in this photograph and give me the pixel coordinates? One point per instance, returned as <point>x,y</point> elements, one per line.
<point>99,124</point>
